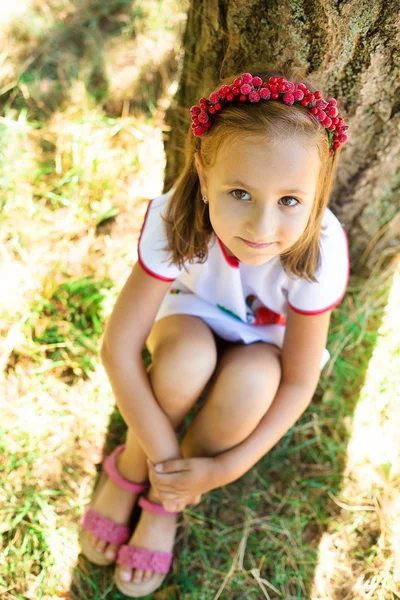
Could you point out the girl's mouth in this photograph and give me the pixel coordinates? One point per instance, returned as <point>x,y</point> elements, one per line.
<point>254,245</point>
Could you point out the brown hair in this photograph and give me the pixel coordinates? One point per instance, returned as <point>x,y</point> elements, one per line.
<point>187,221</point>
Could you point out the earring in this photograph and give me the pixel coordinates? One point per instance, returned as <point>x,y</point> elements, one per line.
<point>205,199</point>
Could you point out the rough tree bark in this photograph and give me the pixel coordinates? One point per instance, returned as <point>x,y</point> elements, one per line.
<point>353,46</point>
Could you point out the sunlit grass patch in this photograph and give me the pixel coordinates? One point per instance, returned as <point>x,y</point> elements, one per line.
<point>359,553</point>
<point>94,170</point>
<point>35,541</point>
<point>81,160</point>
<point>17,161</point>
<point>52,435</point>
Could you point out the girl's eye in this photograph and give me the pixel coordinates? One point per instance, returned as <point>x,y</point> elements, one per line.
<point>240,192</point>
<point>284,203</point>
<point>290,198</point>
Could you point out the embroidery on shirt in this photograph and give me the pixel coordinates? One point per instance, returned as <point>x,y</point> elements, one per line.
<point>229,312</point>
<point>260,314</point>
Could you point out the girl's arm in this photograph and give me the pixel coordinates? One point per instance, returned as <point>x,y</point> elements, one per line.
<point>125,335</point>
<point>305,340</point>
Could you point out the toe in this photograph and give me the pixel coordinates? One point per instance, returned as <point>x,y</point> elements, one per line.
<point>100,545</point>
<point>147,575</point>
<point>138,576</point>
<point>111,552</point>
<point>125,574</point>
<point>92,538</point>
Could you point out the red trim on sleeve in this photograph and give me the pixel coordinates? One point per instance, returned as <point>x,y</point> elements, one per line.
<point>322,310</point>
<point>160,277</point>
<point>148,271</point>
<point>231,260</point>
<point>316,312</point>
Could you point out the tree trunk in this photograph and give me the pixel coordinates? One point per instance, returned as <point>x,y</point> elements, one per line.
<point>353,48</point>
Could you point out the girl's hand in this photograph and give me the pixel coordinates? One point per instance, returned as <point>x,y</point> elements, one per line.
<point>182,481</point>
<point>170,500</point>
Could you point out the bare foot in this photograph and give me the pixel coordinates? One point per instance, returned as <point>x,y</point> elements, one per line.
<point>153,532</point>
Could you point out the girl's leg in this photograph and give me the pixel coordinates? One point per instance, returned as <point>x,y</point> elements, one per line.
<point>183,360</point>
<point>184,357</point>
<point>244,386</point>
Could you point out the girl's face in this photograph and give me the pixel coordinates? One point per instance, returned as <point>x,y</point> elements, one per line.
<point>260,197</point>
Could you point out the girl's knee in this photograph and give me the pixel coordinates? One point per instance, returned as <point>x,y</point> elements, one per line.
<point>183,363</point>
<point>181,367</point>
<point>254,368</point>
<point>246,386</point>
<point>246,382</point>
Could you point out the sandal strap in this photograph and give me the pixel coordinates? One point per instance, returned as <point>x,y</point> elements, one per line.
<point>110,468</point>
<point>104,528</point>
<point>147,560</point>
<point>153,507</point>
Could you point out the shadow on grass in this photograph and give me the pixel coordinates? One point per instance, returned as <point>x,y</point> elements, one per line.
<point>269,522</point>
<point>49,57</point>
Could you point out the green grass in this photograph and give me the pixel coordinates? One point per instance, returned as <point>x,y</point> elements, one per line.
<point>77,160</point>
<point>64,327</point>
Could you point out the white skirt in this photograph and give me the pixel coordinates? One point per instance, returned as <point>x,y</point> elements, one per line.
<point>223,324</point>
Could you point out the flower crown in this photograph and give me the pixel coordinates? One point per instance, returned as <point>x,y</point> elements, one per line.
<point>252,89</point>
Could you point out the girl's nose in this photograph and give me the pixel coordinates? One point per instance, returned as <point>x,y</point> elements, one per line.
<point>264,223</point>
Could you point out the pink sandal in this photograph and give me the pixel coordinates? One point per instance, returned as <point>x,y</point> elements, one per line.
<point>146,560</point>
<point>102,527</point>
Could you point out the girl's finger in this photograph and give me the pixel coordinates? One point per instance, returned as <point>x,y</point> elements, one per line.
<point>173,466</point>
<point>177,506</point>
<point>168,495</point>
<point>167,478</point>
<point>169,488</point>
<point>172,506</point>
<point>165,486</point>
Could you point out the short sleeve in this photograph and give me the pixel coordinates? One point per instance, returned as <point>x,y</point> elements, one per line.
<point>312,298</point>
<point>152,256</point>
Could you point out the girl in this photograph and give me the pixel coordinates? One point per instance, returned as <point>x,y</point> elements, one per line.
<point>244,250</point>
